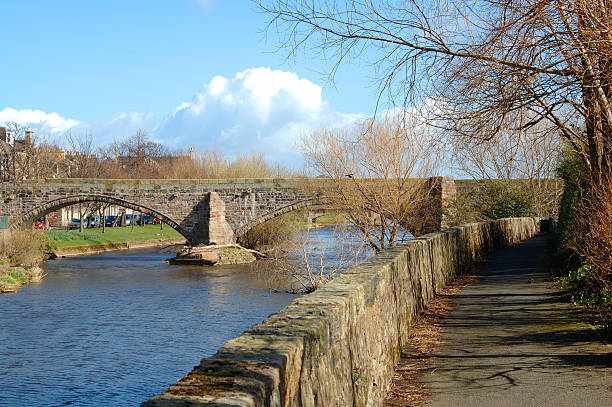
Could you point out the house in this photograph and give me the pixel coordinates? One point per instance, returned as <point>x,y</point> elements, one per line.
<point>7,151</point>
<point>21,159</point>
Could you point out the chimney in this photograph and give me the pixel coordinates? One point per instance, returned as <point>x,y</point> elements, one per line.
<point>116,153</point>
<point>29,136</point>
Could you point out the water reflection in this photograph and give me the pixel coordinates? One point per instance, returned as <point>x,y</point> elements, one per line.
<point>334,246</point>
<point>117,328</point>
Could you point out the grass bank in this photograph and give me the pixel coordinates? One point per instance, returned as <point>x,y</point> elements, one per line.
<point>12,278</point>
<point>60,239</point>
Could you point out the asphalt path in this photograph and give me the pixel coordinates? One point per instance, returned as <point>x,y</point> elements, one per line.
<point>512,341</point>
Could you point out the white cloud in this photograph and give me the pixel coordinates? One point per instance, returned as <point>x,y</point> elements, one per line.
<point>39,121</point>
<point>261,109</point>
<point>258,109</point>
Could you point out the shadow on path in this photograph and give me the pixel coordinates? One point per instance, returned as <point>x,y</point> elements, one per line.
<point>512,341</point>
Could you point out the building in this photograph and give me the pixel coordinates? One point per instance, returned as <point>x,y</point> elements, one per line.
<point>19,158</point>
<point>7,143</point>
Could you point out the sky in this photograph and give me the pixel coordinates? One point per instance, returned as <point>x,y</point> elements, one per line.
<point>199,73</point>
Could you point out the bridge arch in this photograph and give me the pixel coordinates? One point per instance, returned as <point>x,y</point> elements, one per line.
<point>57,204</point>
<point>314,203</point>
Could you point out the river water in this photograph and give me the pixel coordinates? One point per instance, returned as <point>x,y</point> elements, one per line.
<point>117,328</point>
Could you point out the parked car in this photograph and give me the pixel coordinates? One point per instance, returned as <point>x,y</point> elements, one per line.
<point>129,218</point>
<point>109,219</point>
<point>94,222</point>
<point>74,223</point>
<point>151,220</point>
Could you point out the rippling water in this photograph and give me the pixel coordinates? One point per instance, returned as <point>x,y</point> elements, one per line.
<point>118,328</point>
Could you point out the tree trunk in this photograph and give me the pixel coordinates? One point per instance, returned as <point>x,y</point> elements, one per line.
<point>80,218</point>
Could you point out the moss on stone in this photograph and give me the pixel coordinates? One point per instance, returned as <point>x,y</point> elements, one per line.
<point>227,372</point>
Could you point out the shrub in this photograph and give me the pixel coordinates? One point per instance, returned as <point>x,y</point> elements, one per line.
<point>584,288</point>
<point>585,219</point>
<point>316,256</point>
<point>503,199</point>
<point>27,247</point>
<point>585,236</point>
<point>590,232</point>
<point>273,233</point>
<point>573,171</point>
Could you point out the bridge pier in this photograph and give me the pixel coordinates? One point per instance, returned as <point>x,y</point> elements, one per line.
<point>211,226</point>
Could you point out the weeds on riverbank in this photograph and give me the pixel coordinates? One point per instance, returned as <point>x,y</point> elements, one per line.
<point>12,278</point>
<point>20,257</point>
<point>27,248</point>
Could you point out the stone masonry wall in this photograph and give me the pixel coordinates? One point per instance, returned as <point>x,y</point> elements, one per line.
<point>338,346</point>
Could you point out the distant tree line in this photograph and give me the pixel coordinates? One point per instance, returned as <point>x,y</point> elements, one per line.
<point>134,157</point>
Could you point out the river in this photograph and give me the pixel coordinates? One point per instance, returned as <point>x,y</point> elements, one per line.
<point>120,327</point>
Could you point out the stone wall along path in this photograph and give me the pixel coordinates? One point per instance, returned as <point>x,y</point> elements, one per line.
<point>339,345</point>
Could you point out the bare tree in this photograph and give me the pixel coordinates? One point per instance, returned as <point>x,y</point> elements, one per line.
<point>483,60</point>
<point>22,154</point>
<point>140,157</point>
<point>524,160</point>
<point>376,174</point>
<point>30,156</point>
<point>318,260</point>
<point>312,258</point>
<point>81,159</point>
<point>212,164</point>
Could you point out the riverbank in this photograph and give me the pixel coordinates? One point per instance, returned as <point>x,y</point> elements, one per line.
<point>68,243</point>
<point>73,251</point>
<point>13,278</point>
<point>21,252</point>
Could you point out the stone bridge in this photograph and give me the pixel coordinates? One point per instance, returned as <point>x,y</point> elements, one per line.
<point>204,211</point>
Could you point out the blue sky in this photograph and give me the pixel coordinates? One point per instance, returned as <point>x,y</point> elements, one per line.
<point>113,66</point>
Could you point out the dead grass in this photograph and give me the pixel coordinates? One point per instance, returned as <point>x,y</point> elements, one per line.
<point>407,389</point>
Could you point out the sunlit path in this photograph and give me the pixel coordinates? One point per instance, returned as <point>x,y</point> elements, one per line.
<point>511,341</point>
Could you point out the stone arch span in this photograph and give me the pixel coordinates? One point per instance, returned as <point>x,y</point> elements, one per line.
<point>57,204</point>
<point>313,203</point>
